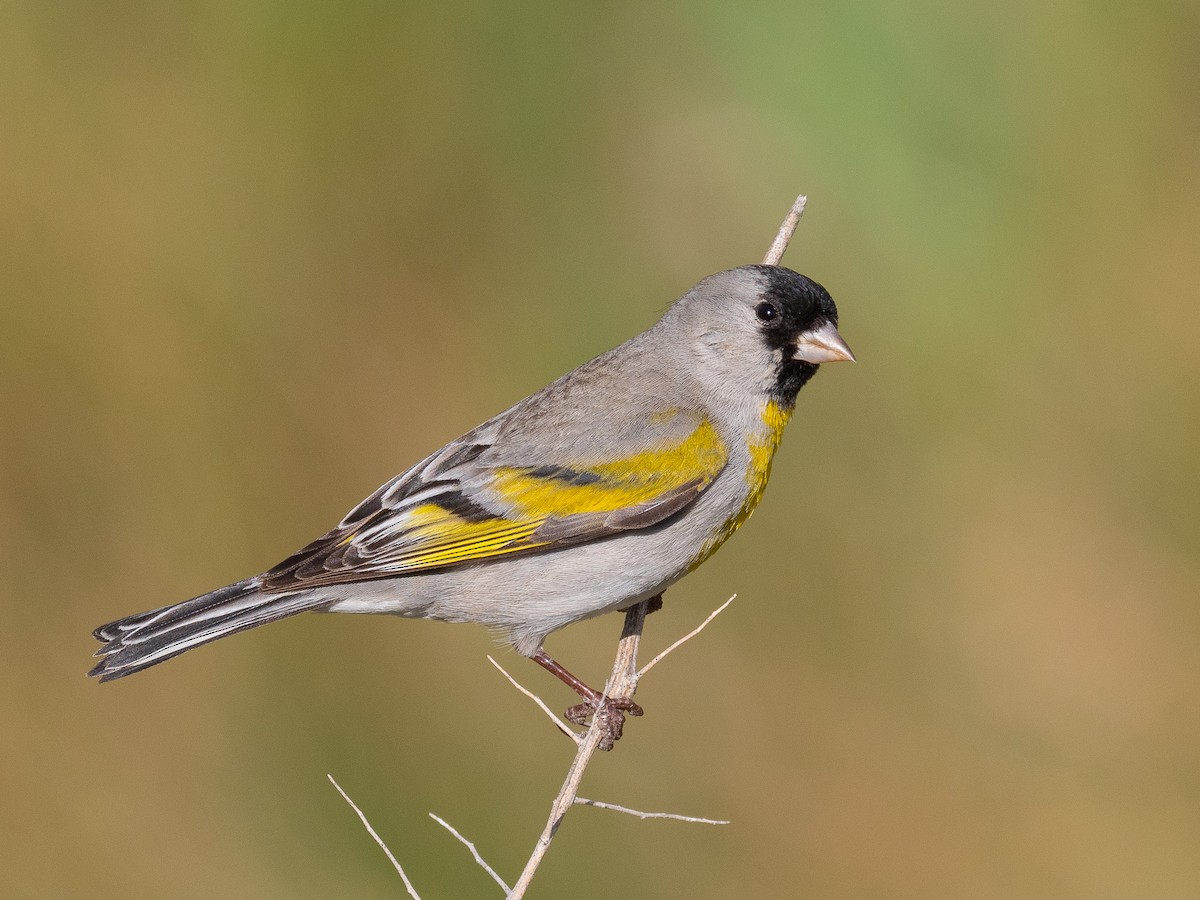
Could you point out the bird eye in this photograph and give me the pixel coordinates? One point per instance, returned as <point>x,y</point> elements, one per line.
<point>767,312</point>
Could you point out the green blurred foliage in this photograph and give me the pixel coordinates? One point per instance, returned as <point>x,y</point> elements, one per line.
<point>255,258</point>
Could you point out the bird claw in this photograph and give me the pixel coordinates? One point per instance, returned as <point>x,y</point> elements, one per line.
<point>609,714</point>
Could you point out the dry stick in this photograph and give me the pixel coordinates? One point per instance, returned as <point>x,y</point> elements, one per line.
<point>475,853</point>
<point>786,230</point>
<point>559,723</point>
<point>412,892</point>
<point>620,686</point>
<point>599,804</point>
<point>687,637</point>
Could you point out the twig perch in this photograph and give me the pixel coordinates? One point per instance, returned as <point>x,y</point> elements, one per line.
<point>621,685</point>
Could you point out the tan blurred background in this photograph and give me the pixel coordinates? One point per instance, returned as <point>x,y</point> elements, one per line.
<point>255,258</point>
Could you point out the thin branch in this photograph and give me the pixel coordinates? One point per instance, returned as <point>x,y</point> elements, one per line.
<point>475,853</point>
<point>621,685</point>
<point>562,726</point>
<point>412,892</point>
<point>599,804</point>
<point>786,230</point>
<point>687,637</point>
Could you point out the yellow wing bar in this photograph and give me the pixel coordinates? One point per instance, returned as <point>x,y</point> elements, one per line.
<point>438,537</point>
<point>610,486</point>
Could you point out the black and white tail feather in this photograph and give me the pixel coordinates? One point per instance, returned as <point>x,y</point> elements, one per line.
<point>139,641</point>
<point>146,639</point>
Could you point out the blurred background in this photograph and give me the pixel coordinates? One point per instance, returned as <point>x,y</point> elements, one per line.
<point>257,257</point>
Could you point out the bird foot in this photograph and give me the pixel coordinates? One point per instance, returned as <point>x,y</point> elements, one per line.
<point>608,713</point>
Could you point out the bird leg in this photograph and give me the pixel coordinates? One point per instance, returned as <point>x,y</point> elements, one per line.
<point>611,709</point>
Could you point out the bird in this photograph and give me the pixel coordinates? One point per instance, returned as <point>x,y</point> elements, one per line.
<point>591,495</point>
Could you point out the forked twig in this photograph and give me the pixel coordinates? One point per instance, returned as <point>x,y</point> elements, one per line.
<point>620,685</point>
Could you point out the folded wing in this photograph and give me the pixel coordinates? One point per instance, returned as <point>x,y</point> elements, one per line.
<point>466,504</point>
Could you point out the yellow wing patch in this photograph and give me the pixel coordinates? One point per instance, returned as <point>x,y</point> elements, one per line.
<point>436,537</point>
<point>606,487</point>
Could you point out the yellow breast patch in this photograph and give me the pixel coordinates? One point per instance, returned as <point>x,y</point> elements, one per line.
<point>762,454</point>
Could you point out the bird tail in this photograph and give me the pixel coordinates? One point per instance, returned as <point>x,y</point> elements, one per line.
<point>146,639</point>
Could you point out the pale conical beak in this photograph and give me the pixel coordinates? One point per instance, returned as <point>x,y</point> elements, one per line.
<point>822,344</point>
